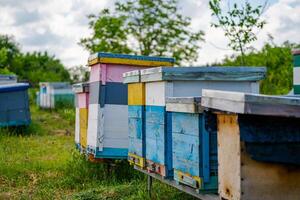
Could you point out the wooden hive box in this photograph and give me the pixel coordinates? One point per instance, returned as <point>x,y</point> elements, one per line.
<point>108,103</point>
<point>81,91</point>
<point>161,83</point>
<point>258,145</point>
<point>194,144</point>
<point>136,118</point>
<point>14,105</point>
<point>55,94</point>
<point>296,71</point>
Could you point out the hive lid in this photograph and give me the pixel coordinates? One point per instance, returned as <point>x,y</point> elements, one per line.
<point>132,77</point>
<point>125,59</point>
<point>184,104</point>
<point>14,87</point>
<point>203,74</point>
<point>255,104</point>
<point>296,51</point>
<point>7,79</point>
<point>80,87</point>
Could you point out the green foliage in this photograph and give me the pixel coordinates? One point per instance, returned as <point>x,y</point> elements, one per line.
<point>238,23</point>
<point>35,67</point>
<point>45,165</point>
<point>278,60</point>
<point>39,67</point>
<point>8,50</point>
<point>79,74</point>
<point>144,27</point>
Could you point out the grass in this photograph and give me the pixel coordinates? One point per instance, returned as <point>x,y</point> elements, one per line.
<point>40,162</point>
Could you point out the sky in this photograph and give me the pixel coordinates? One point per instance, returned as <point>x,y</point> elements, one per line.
<point>56,26</point>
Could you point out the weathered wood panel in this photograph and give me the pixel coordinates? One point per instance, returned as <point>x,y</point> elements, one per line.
<point>157,92</point>
<point>94,126</point>
<point>95,74</point>
<point>229,158</point>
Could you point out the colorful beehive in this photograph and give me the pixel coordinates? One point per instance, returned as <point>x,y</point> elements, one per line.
<point>108,103</point>
<point>81,91</point>
<point>296,62</point>
<point>194,144</point>
<point>136,118</point>
<point>258,145</point>
<point>7,79</point>
<point>14,105</point>
<point>56,94</point>
<point>161,83</point>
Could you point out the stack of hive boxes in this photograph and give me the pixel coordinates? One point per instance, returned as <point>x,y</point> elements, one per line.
<point>55,94</point>
<point>14,102</point>
<point>108,102</point>
<point>81,105</point>
<point>152,135</point>
<point>258,144</point>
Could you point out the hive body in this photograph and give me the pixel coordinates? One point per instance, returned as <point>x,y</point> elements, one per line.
<point>55,94</point>
<point>14,104</point>
<point>258,150</point>
<point>108,103</point>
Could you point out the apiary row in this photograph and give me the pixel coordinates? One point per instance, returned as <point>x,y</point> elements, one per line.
<point>180,124</point>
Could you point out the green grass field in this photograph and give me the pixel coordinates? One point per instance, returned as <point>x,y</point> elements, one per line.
<point>40,162</point>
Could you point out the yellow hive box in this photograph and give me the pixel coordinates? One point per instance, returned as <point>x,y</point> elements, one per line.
<point>83,117</point>
<point>136,94</point>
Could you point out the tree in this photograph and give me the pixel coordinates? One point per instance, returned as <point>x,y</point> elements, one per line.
<point>79,74</point>
<point>8,50</point>
<point>39,67</point>
<point>239,23</point>
<point>144,27</point>
<point>278,60</point>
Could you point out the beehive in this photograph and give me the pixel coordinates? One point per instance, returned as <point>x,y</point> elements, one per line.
<point>258,145</point>
<point>81,91</point>
<point>162,82</point>
<point>14,105</point>
<point>296,63</point>
<point>194,144</point>
<point>55,94</point>
<point>136,118</point>
<point>108,103</point>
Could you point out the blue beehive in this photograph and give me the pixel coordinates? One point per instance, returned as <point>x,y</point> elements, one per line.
<point>14,105</point>
<point>258,144</point>
<point>194,143</point>
<point>161,83</point>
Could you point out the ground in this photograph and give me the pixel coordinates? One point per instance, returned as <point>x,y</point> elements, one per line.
<point>41,162</point>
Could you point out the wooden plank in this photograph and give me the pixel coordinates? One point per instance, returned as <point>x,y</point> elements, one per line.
<point>229,157</point>
<point>182,188</point>
<point>115,72</point>
<point>95,74</point>
<point>204,73</point>
<point>83,100</point>
<point>94,126</point>
<point>296,76</point>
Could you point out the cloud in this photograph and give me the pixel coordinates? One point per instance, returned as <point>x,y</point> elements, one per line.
<point>56,26</point>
